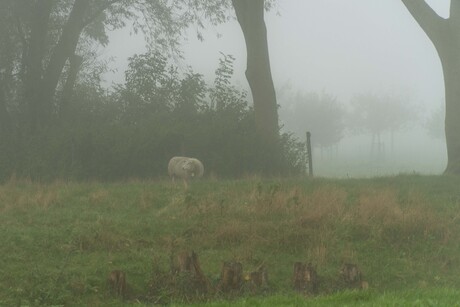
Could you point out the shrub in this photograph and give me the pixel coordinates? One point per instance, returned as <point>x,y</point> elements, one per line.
<point>156,114</point>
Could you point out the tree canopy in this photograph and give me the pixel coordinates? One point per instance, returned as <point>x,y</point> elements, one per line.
<point>43,39</point>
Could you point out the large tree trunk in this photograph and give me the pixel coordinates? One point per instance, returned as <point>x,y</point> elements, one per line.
<point>445,35</point>
<point>64,49</point>
<point>5,122</point>
<point>67,92</point>
<point>451,69</point>
<point>250,15</point>
<point>34,59</point>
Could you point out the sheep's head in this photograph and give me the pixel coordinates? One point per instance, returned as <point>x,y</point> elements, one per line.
<point>190,168</point>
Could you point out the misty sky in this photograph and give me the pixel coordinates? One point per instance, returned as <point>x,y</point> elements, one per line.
<point>333,46</point>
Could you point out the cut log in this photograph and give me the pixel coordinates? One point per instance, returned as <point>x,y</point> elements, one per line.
<point>231,277</point>
<point>352,276</point>
<point>258,280</point>
<point>117,282</point>
<point>305,278</point>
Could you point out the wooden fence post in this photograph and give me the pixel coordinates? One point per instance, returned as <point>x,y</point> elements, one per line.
<point>310,155</point>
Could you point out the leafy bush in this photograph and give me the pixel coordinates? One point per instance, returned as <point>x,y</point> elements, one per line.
<point>135,130</point>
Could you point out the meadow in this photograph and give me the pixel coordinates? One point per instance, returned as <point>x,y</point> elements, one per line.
<point>60,240</point>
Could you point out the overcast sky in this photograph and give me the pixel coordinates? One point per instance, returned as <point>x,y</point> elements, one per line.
<point>333,46</point>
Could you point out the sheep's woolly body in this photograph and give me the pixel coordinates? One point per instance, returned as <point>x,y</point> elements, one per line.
<point>185,168</point>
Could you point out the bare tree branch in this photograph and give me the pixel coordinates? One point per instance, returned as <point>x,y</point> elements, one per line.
<point>426,17</point>
<point>455,9</point>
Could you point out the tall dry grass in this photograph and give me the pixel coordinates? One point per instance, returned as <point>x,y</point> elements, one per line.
<point>24,195</point>
<point>292,218</point>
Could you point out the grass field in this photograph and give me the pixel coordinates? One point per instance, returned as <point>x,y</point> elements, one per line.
<point>60,240</point>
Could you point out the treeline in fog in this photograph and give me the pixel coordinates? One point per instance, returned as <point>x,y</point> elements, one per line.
<point>58,121</point>
<point>135,129</point>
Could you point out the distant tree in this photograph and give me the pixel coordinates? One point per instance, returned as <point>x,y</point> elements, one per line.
<point>250,15</point>
<point>445,35</point>
<point>322,115</point>
<point>376,115</point>
<point>435,123</point>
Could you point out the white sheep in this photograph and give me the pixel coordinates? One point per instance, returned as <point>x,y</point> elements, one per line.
<point>185,168</point>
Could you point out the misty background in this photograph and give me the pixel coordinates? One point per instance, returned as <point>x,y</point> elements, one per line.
<point>334,51</point>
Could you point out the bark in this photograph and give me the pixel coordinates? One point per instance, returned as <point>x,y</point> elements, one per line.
<point>258,280</point>
<point>34,59</point>
<point>250,15</point>
<point>231,277</point>
<point>67,93</point>
<point>445,35</point>
<point>5,121</point>
<point>117,283</point>
<point>65,48</point>
<point>305,278</point>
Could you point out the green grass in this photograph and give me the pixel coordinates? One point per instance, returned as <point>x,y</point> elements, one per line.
<point>60,240</point>
<point>432,298</point>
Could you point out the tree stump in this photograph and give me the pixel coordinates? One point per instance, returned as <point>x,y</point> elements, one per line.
<point>182,263</point>
<point>117,282</point>
<point>231,277</point>
<point>305,278</point>
<point>352,277</point>
<point>187,272</point>
<point>258,280</point>
<point>201,280</point>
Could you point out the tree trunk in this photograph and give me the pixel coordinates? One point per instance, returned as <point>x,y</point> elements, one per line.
<point>250,15</point>
<point>445,35</point>
<point>75,64</point>
<point>451,68</point>
<point>5,122</point>
<point>64,49</point>
<point>34,59</point>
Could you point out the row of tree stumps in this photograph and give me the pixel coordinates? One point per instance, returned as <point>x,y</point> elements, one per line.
<point>186,280</point>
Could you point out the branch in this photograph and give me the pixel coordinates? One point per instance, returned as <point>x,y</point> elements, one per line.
<point>455,10</point>
<point>426,17</point>
<point>99,11</point>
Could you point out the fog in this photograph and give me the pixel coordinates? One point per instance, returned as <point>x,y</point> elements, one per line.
<point>338,48</point>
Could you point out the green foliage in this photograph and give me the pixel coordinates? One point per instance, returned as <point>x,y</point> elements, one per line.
<point>38,39</point>
<point>132,132</point>
<point>157,114</point>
